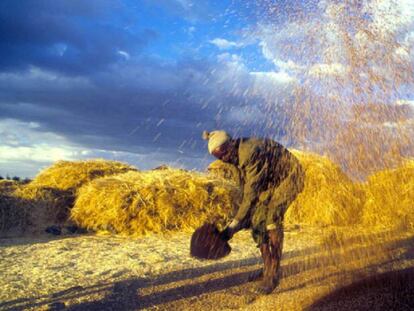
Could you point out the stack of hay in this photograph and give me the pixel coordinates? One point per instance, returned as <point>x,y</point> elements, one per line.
<point>47,199</point>
<point>390,198</point>
<point>115,197</point>
<point>329,196</point>
<point>70,175</point>
<point>13,211</point>
<point>136,203</point>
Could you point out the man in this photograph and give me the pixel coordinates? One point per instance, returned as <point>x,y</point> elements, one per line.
<point>271,177</point>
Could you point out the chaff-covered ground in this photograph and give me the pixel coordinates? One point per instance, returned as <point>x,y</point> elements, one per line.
<point>365,270</point>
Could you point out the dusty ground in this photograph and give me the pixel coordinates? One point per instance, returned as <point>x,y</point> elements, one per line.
<point>321,270</point>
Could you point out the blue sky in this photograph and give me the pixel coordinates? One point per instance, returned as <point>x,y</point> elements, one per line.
<point>138,81</point>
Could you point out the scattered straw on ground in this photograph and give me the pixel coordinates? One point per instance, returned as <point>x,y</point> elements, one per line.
<point>157,273</point>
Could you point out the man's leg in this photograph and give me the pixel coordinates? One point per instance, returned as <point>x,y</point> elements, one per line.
<point>276,245</point>
<point>265,252</point>
<point>271,258</point>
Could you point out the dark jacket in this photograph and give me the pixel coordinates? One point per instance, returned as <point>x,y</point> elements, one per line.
<point>263,164</point>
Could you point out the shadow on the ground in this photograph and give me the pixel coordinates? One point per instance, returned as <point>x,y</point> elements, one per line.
<point>37,238</point>
<point>127,294</point>
<point>392,290</point>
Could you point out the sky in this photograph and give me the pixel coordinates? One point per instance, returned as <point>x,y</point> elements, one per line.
<point>138,81</point>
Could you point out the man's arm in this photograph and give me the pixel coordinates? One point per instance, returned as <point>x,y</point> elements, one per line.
<point>250,195</point>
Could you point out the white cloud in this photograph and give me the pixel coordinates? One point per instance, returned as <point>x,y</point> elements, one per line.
<point>321,70</point>
<point>224,44</point>
<point>23,141</point>
<point>265,86</point>
<point>403,102</point>
<point>287,43</point>
<point>124,54</point>
<point>25,149</point>
<point>280,77</point>
<point>233,73</point>
<point>231,59</point>
<point>271,87</point>
<point>289,65</point>
<point>60,48</point>
<point>391,15</point>
<point>37,152</point>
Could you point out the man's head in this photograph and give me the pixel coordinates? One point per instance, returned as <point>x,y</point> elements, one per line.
<point>220,144</point>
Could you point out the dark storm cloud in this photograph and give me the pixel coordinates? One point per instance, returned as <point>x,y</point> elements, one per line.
<point>75,71</point>
<point>135,105</point>
<point>61,66</point>
<point>130,107</point>
<point>71,37</point>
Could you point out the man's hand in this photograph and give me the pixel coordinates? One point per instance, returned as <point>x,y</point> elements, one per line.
<point>229,231</point>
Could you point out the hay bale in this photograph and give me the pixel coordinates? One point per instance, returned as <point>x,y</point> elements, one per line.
<point>6,184</point>
<point>47,199</point>
<point>14,215</point>
<point>13,210</point>
<point>136,203</point>
<point>390,198</point>
<point>329,197</point>
<point>25,209</point>
<point>45,206</point>
<point>70,175</point>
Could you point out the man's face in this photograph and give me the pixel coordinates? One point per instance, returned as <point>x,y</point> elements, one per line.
<point>223,152</point>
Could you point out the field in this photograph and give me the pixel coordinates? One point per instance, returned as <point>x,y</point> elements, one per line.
<point>348,245</point>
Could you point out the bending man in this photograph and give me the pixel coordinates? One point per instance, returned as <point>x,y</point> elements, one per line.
<point>271,178</point>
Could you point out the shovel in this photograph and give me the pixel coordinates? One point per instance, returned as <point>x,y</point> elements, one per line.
<point>208,243</point>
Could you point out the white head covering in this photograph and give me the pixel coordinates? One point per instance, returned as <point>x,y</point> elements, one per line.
<point>215,139</point>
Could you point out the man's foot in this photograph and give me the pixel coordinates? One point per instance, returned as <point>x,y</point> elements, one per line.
<point>265,287</point>
<point>255,275</point>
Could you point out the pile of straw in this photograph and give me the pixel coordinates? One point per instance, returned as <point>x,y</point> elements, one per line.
<point>14,215</point>
<point>6,185</point>
<point>70,175</point>
<point>47,199</point>
<point>45,206</point>
<point>390,198</point>
<point>13,211</point>
<point>329,197</point>
<point>136,203</point>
